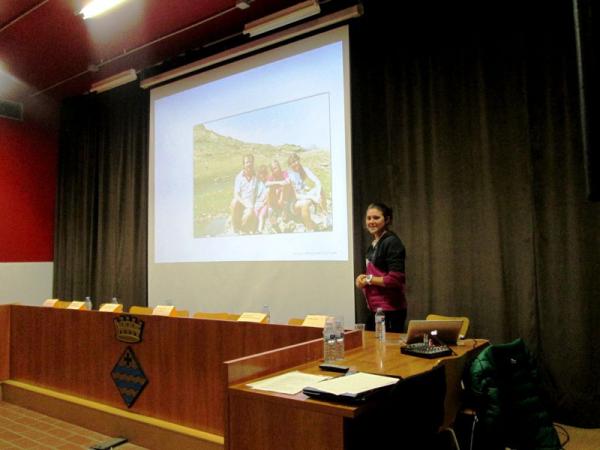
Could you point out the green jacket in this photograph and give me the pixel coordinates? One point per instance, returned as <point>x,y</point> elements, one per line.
<point>505,386</point>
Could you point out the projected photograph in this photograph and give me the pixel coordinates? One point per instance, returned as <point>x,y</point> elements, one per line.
<point>265,171</point>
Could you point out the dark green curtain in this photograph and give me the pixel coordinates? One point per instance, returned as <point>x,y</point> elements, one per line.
<point>465,121</point>
<point>101,232</point>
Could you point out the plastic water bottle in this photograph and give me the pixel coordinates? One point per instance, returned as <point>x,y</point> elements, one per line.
<point>267,312</point>
<point>380,324</point>
<point>88,303</point>
<point>114,300</point>
<point>339,338</point>
<point>329,341</point>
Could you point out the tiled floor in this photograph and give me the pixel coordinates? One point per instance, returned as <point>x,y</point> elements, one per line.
<point>21,428</point>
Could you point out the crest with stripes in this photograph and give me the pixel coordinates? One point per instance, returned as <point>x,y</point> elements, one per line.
<point>129,377</point>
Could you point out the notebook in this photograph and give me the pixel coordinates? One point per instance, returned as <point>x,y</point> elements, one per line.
<point>442,331</point>
<point>355,388</point>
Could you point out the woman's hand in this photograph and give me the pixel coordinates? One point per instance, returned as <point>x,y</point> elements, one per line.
<point>361,281</point>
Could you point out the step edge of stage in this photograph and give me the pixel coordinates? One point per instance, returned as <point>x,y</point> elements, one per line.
<point>107,409</point>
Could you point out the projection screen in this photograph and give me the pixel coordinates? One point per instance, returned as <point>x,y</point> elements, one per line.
<point>250,188</point>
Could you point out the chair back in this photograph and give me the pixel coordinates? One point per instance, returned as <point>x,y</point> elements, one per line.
<point>213,316</point>
<point>409,414</point>
<point>454,367</point>
<point>63,304</point>
<point>142,310</point>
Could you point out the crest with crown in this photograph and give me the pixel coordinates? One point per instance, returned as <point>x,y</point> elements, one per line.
<point>128,328</point>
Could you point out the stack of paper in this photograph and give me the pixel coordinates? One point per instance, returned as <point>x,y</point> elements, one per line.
<point>288,383</point>
<point>354,384</point>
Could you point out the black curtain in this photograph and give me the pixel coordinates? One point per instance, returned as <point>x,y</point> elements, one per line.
<point>465,121</point>
<point>100,247</point>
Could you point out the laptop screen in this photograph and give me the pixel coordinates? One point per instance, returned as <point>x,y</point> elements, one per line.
<point>445,331</point>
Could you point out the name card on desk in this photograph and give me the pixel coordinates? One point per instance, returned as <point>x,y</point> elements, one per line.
<point>50,302</point>
<point>252,317</point>
<point>111,307</point>
<point>76,305</point>
<point>316,321</point>
<point>164,310</point>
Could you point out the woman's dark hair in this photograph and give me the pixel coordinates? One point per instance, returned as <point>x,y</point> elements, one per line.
<point>295,158</point>
<point>385,210</point>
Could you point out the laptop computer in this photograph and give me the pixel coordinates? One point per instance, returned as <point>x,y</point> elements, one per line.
<point>443,331</point>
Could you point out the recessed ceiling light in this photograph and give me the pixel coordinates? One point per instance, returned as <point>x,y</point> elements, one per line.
<point>243,4</point>
<point>97,7</point>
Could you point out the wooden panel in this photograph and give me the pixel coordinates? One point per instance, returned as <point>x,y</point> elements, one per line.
<point>262,364</point>
<point>75,351</point>
<point>254,366</point>
<point>4,342</point>
<point>260,424</point>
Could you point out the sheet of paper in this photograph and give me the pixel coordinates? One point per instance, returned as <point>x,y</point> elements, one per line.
<point>76,305</point>
<point>288,383</point>
<point>355,383</point>
<point>50,302</point>
<point>163,310</point>
<point>252,317</point>
<point>316,321</point>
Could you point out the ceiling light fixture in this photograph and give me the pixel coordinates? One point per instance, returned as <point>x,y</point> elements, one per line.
<point>97,7</point>
<point>243,4</point>
<point>282,18</point>
<point>127,53</point>
<point>256,44</point>
<point>114,81</point>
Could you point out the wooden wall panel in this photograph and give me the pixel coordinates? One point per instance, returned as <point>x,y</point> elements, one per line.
<point>4,342</point>
<point>75,351</point>
<point>260,423</point>
<point>258,365</point>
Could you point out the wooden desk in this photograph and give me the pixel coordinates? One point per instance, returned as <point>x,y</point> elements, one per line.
<point>74,352</point>
<point>263,420</point>
<point>196,370</point>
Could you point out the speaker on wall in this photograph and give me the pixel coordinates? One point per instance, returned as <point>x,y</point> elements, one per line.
<point>11,110</point>
<point>587,71</point>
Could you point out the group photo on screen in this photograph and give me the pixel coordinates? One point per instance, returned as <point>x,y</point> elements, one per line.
<point>243,187</point>
<point>251,159</point>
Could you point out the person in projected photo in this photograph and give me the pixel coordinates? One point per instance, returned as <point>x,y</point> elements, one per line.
<point>243,215</point>
<point>280,195</point>
<point>306,197</point>
<point>383,282</point>
<point>278,188</point>
<point>261,205</point>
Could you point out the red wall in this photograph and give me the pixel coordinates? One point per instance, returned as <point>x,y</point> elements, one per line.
<point>28,172</point>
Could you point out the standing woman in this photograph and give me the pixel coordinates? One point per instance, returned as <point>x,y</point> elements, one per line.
<point>384,280</point>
